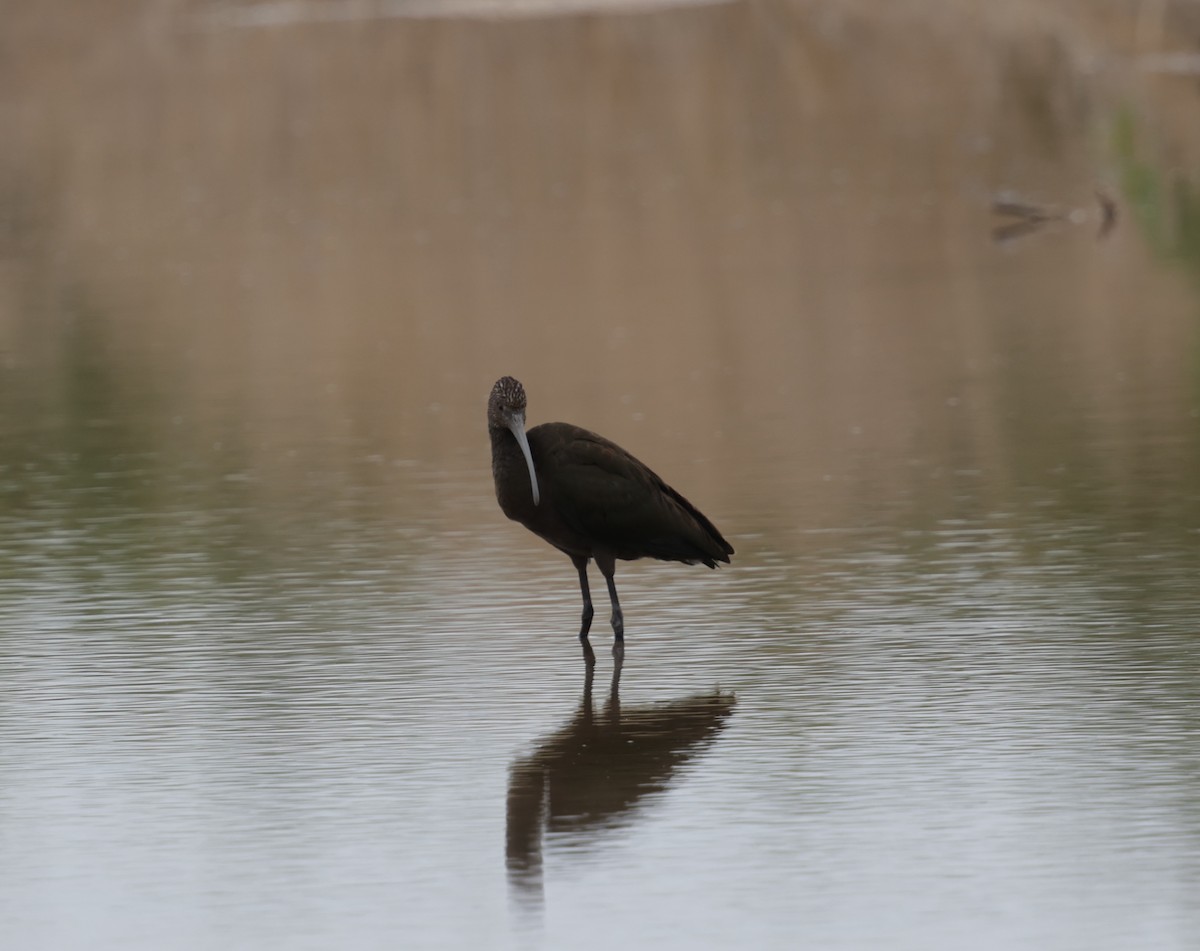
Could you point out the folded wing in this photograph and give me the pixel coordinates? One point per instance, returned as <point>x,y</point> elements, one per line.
<point>606,494</point>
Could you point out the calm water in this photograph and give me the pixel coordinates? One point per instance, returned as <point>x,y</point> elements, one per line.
<point>275,672</point>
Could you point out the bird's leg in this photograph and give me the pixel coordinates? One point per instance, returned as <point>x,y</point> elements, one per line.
<point>588,610</point>
<point>607,565</point>
<point>614,692</point>
<point>618,619</point>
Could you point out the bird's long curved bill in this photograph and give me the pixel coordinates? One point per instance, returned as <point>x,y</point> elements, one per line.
<point>518,429</point>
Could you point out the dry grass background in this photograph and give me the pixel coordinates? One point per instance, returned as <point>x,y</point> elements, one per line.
<point>763,224</point>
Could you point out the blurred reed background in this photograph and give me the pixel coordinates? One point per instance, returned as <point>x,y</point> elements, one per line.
<point>764,224</point>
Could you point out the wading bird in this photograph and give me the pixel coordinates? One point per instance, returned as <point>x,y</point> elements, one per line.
<point>591,499</point>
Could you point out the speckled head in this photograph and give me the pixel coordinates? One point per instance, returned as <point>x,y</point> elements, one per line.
<point>506,402</point>
<point>506,410</point>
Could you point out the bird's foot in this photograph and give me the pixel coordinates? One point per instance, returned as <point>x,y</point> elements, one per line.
<point>589,655</point>
<point>619,649</point>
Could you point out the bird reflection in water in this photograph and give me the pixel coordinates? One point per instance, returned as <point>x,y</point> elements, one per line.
<point>586,779</point>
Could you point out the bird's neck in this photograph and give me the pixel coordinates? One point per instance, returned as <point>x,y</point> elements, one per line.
<point>502,439</point>
<point>509,472</point>
<point>506,454</point>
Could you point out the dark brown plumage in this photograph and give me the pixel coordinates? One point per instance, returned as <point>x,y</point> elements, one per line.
<point>591,499</point>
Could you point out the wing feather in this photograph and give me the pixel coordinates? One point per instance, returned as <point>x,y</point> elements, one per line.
<point>606,494</point>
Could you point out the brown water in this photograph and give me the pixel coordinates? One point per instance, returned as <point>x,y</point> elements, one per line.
<point>275,672</point>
